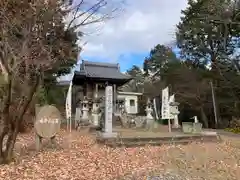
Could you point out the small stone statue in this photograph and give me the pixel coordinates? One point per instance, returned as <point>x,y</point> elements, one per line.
<point>195,119</point>
<point>149,117</point>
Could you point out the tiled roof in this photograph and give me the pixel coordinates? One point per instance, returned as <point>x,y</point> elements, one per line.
<point>101,70</point>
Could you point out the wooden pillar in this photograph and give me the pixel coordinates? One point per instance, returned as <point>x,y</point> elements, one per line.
<point>73,99</point>
<point>114,97</point>
<point>96,91</point>
<point>85,89</point>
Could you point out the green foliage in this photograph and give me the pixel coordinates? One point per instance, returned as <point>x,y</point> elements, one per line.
<point>53,94</point>
<point>235,130</point>
<point>42,96</point>
<point>159,56</point>
<point>203,33</point>
<point>65,63</point>
<point>208,36</point>
<point>136,84</point>
<point>190,82</point>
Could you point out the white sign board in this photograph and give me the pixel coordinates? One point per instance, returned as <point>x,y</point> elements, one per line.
<point>172,109</point>
<point>165,103</point>
<point>108,109</point>
<point>155,107</point>
<point>68,104</point>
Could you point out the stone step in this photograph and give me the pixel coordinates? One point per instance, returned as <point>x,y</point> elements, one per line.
<point>153,143</point>
<point>143,143</point>
<point>156,141</point>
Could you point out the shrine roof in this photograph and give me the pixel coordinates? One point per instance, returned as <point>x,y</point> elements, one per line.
<point>102,71</point>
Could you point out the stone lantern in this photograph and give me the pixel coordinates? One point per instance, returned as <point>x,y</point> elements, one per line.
<point>173,109</point>
<point>149,117</point>
<point>96,111</point>
<point>85,110</point>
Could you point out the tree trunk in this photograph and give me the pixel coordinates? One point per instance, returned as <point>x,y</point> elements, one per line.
<point>204,118</point>
<point>10,128</point>
<point>6,151</point>
<point>3,133</point>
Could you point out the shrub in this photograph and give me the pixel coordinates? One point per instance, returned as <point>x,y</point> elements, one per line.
<point>235,130</point>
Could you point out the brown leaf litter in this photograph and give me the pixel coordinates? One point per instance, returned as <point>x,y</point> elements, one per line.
<point>80,158</point>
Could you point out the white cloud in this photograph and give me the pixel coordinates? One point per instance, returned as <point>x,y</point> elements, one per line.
<point>142,25</point>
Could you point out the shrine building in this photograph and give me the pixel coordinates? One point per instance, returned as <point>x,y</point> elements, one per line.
<point>90,81</point>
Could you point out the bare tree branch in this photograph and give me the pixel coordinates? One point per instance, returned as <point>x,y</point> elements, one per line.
<point>91,15</point>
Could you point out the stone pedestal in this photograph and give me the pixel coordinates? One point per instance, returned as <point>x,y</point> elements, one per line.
<point>139,121</point>
<point>187,127</point>
<point>197,127</point>
<point>109,134</point>
<point>78,116</point>
<point>176,122</point>
<point>39,144</point>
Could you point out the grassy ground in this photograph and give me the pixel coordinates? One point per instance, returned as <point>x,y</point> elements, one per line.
<point>79,157</point>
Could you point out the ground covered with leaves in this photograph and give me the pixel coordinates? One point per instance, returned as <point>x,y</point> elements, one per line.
<point>78,157</point>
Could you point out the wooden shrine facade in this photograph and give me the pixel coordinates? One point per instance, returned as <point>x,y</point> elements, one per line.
<point>91,80</point>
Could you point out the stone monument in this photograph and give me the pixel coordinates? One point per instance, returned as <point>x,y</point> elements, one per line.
<point>108,113</point>
<point>47,124</point>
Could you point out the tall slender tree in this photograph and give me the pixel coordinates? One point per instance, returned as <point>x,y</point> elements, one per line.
<point>208,34</point>
<point>203,36</point>
<point>159,56</point>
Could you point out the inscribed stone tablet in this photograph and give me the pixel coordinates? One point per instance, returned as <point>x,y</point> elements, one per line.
<point>48,121</point>
<point>108,109</point>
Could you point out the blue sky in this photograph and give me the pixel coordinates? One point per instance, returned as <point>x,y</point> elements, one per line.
<point>126,61</point>
<point>128,38</point>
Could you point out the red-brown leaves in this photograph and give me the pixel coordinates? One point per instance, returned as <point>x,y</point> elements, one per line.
<point>81,158</point>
